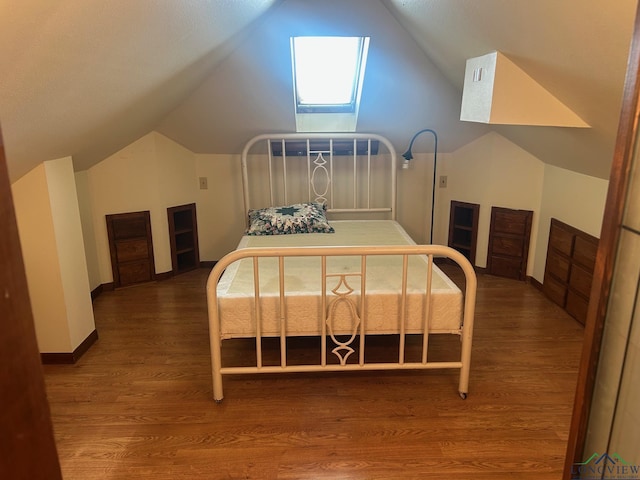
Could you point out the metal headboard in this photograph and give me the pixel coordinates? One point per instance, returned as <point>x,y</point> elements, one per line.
<point>318,158</point>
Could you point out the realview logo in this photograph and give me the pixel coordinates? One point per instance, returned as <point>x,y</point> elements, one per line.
<point>611,467</point>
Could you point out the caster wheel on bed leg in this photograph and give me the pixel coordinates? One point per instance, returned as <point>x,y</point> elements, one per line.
<point>218,402</point>
<point>463,395</point>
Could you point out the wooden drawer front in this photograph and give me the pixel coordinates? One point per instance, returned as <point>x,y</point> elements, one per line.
<point>135,272</point>
<point>561,240</point>
<point>555,290</point>
<point>558,265</point>
<point>129,228</point>
<point>580,280</point>
<point>130,247</point>
<point>569,269</point>
<point>577,306</point>
<point>511,246</point>
<point>506,267</point>
<point>584,252</point>
<point>134,249</point>
<point>508,222</point>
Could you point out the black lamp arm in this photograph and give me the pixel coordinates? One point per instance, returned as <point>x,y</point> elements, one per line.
<point>408,156</point>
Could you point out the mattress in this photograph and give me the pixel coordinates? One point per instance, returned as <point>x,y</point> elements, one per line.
<point>303,286</point>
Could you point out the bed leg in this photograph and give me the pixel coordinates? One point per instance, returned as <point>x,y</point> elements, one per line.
<point>218,395</point>
<point>216,343</point>
<point>463,385</point>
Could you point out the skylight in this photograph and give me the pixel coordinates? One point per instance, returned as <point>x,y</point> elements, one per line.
<point>327,79</point>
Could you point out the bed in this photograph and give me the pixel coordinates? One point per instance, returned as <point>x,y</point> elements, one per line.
<point>323,256</point>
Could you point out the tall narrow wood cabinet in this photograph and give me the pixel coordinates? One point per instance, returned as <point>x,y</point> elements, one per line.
<point>509,235</point>
<point>131,248</point>
<point>568,273</point>
<point>183,235</point>
<point>463,228</point>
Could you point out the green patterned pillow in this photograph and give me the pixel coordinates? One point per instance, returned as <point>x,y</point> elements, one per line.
<point>298,218</point>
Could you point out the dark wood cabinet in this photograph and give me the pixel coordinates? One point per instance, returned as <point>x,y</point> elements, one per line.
<point>568,274</point>
<point>509,236</point>
<point>183,235</point>
<point>131,247</point>
<point>463,228</point>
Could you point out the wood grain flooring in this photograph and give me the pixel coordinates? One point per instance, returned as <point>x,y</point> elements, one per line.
<point>139,403</point>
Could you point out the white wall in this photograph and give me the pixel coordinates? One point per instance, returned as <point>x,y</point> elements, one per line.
<point>152,173</point>
<point>123,182</point>
<point>414,197</point>
<point>70,247</point>
<point>39,250</point>
<point>88,233</point>
<point>221,220</point>
<point>51,237</point>
<point>490,171</point>
<point>572,198</point>
<point>221,217</point>
<point>177,185</point>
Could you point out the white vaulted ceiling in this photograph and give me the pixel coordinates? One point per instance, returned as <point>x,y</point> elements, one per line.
<point>87,77</point>
<point>84,78</point>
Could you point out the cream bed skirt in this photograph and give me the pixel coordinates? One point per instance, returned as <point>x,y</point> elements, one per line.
<point>302,307</point>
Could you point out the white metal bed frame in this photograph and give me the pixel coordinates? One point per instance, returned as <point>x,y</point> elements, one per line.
<point>343,291</point>
<point>320,166</point>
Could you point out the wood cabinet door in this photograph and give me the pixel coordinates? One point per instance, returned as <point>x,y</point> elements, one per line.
<point>509,236</point>
<point>183,238</point>
<point>131,248</point>
<point>463,228</point>
<point>568,273</point>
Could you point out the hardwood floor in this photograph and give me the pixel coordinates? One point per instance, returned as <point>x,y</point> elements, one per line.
<point>139,403</point>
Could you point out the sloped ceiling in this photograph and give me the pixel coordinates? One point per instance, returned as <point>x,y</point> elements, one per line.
<point>84,79</point>
<point>576,49</point>
<point>250,92</point>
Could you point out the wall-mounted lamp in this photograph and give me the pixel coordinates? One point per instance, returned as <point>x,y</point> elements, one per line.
<point>408,156</point>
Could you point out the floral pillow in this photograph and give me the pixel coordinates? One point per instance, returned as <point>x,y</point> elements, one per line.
<point>297,218</point>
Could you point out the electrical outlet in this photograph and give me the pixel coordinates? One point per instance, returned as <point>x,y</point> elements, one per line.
<point>443,181</point>
<point>203,183</point>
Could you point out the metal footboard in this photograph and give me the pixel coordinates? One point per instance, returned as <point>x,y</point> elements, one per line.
<point>346,291</point>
